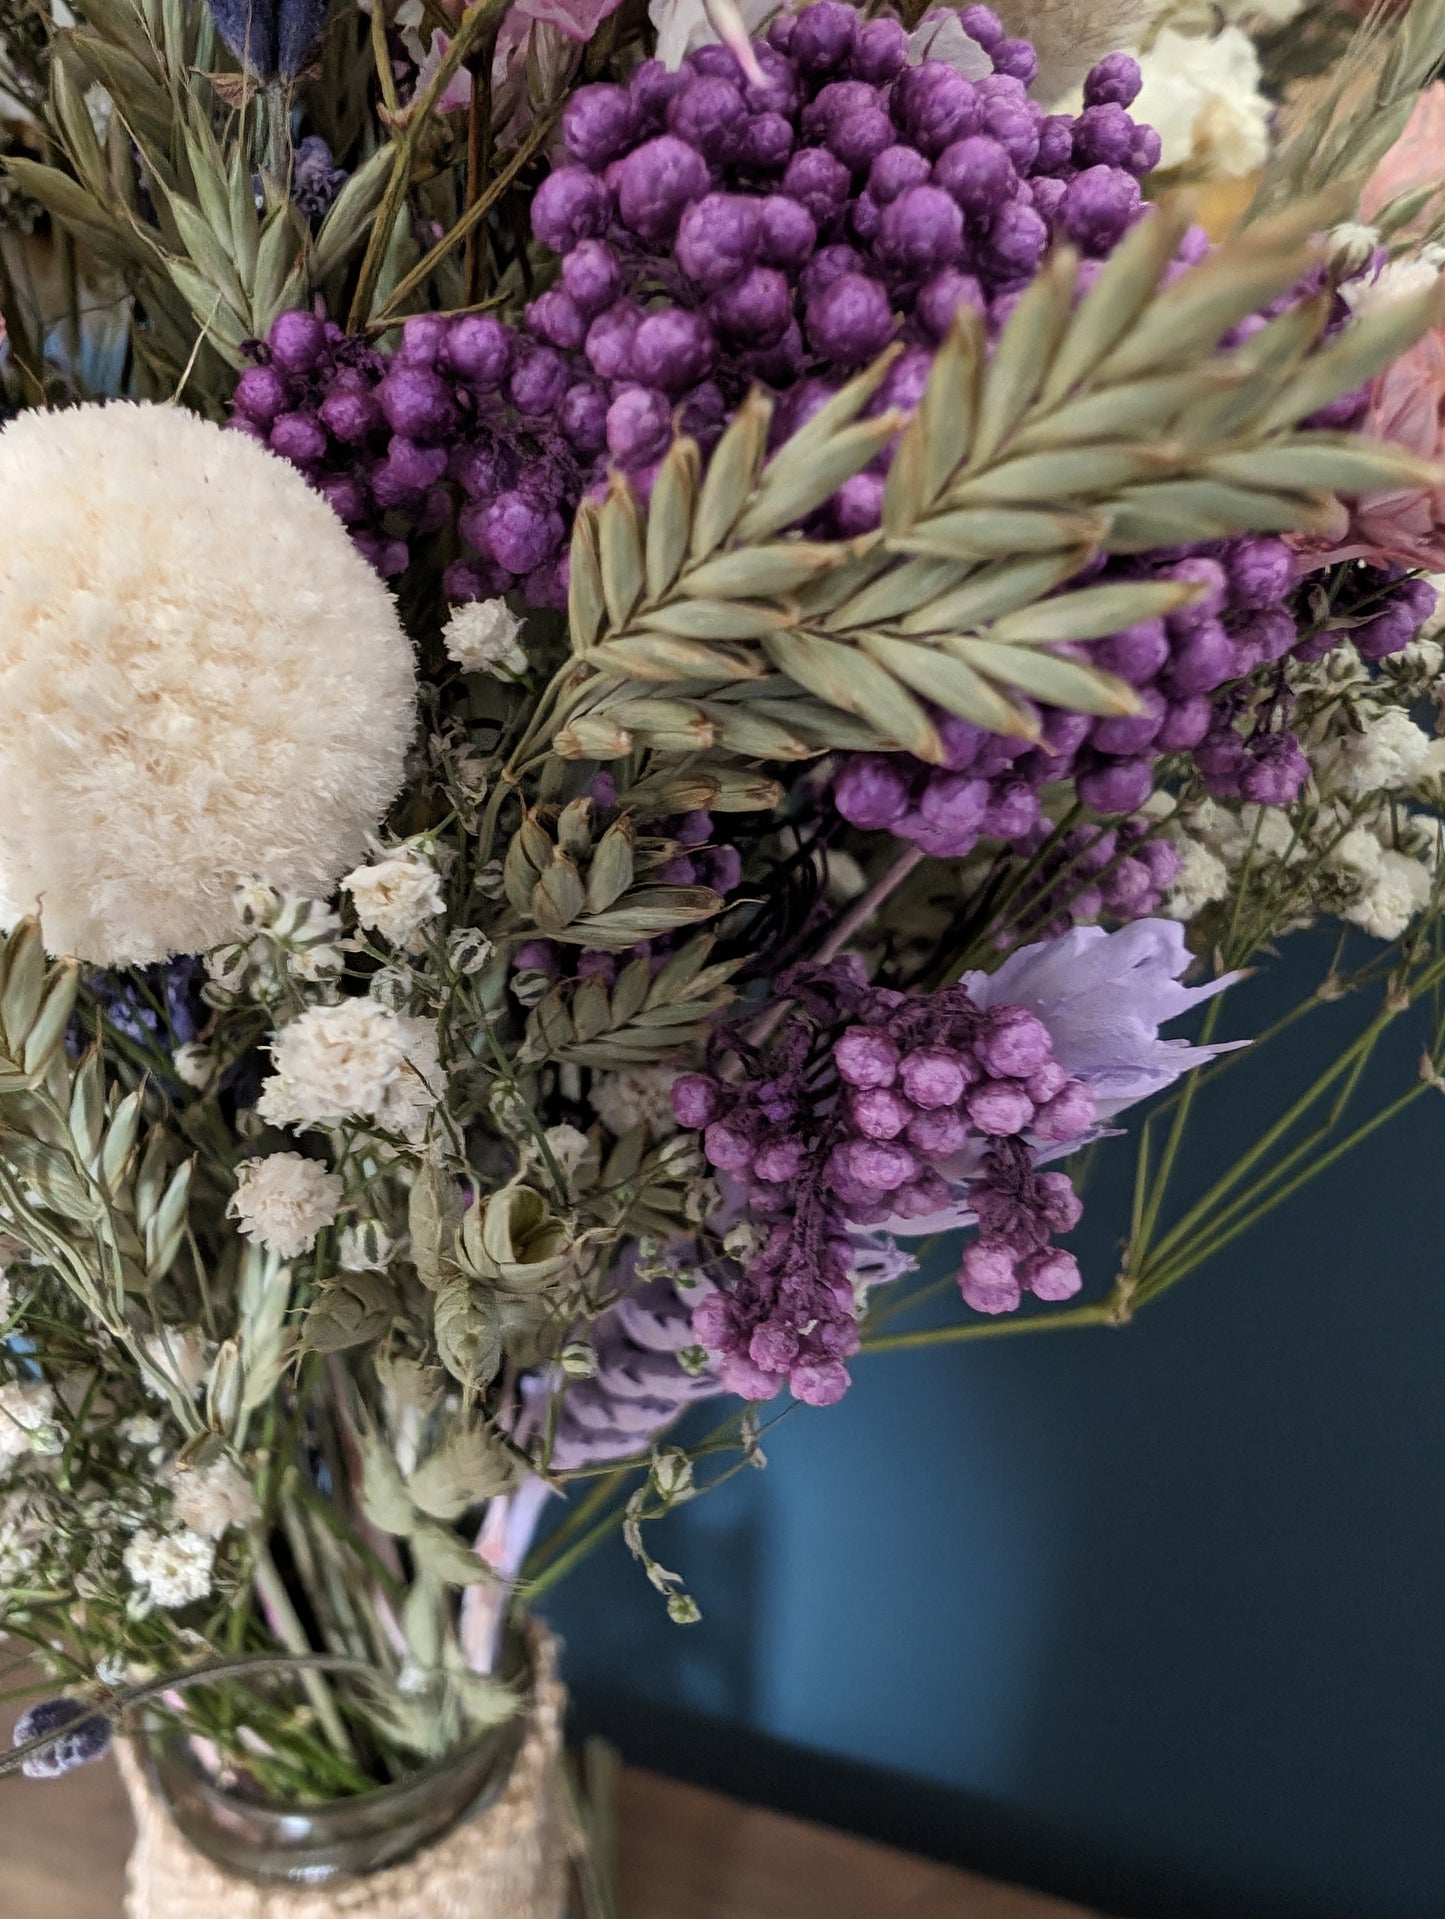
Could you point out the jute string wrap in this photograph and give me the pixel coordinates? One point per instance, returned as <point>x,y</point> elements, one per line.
<point>509,1862</point>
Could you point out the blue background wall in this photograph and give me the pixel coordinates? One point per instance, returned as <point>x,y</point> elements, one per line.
<point>1152,1618</point>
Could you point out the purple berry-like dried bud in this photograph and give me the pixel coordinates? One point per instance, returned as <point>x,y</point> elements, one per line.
<point>297,340</point>
<point>894,171</point>
<point>787,232</point>
<point>879,1113</point>
<point>695,1100</point>
<point>673,349</point>
<point>819,1382</point>
<point>1205,660</point>
<point>852,320</point>
<point>938,1134</point>
<point>1017,237</point>
<point>756,310</point>
<point>880,1165</point>
<point>1116,78</point>
<point>818,181</point>
<point>767,143</point>
<point>520,533</point>
<point>1103,136</point>
<point>1099,208</point>
<point>858,504</point>
<point>409,470</point>
<point>639,427</point>
<point>350,414</point>
<point>592,277</point>
<point>954,804</point>
<point>1012,812</point>
<point>298,437</point>
<point>1015,124</point>
<point>571,205</point>
<point>554,317</point>
<point>935,106</point>
<point>866,1057</point>
<point>1276,773</point>
<point>652,87</point>
<point>1052,1274</point>
<point>921,231</point>
<point>609,341</point>
<point>417,402</point>
<point>710,115</point>
<point>1136,654</point>
<point>823,37</point>
<point>977,173</point>
<point>1262,636</point>
<point>583,418</point>
<point>539,379</point>
<point>597,124</point>
<point>940,298</point>
<point>261,393</point>
<point>859,138</point>
<point>987,1278</point>
<point>422,338</point>
<point>346,496</point>
<point>933,1078</point>
<point>880,52</point>
<point>999,1107</point>
<point>1068,1115</point>
<point>1135,732</point>
<point>718,238</point>
<point>478,350</point>
<point>656,182</point>
<point>827,265</point>
<point>1389,632</point>
<point>839,100</point>
<point>1261,572</point>
<point>871,792</point>
<point>1121,786</point>
<point>983,25</point>
<point>1013,1042</point>
<point>1056,145</point>
<point>780,1162</point>
<point>1016,60</point>
<point>726,1148</point>
<point>1061,1206</point>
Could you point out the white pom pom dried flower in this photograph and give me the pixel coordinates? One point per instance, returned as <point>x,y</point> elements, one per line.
<point>214,1498</point>
<point>283,1201</point>
<point>27,1420</point>
<point>396,896</point>
<point>180,1355</point>
<point>629,1096</point>
<point>171,1569</point>
<point>482,638</point>
<point>358,1060</point>
<point>200,680</point>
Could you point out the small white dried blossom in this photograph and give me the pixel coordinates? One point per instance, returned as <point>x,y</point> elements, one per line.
<point>141,1430</point>
<point>1396,280</point>
<point>366,1247</point>
<point>396,896</point>
<point>171,1569</point>
<point>181,1354</point>
<point>1398,891</point>
<point>214,1498</point>
<point>1202,96</point>
<point>1202,880</point>
<point>481,637</point>
<point>1387,752</point>
<point>571,1149</point>
<point>195,1065</point>
<point>628,1096</point>
<point>356,1060</point>
<point>1357,855</point>
<point>283,1201</point>
<point>28,1412</point>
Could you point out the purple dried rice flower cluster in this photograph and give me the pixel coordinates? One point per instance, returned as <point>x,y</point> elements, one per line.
<point>862,1106</point>
<point>1122,872</point>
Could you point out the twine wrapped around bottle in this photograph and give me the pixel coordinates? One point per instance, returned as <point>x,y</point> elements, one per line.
<point>509,1862</point>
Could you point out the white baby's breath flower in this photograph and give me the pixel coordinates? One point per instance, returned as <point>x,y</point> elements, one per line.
<point>179,1353</point>
<point>468,949</point>
<point>283,1201</point>
<point>214,1498</point>
<point>570,1148</point>
<point>354,1060</point>
<point>171,1569</point>
<point>396,896</point>
<point>141,1430</point>
<point>22,1534</point>
<point>628,1096</point>
<point>195,1065</point>
<point>1203,878</point>
<point>481,637</point>
<point>173,718</point>
<point>1357,855</point>
<point>1397,893</point>
<point>1386,753</point>
<point>28,1412</point>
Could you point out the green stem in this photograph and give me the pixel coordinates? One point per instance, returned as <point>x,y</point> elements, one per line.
<point>292,1634</point>
<point>1102,1313</point>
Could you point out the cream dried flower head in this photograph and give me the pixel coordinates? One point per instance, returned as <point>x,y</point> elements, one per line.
<point>283,1201</point>
<point>396,895</point>
<point>355,1060</point>
<point>200,680</point>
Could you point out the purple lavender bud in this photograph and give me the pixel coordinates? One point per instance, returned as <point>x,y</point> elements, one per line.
<point>767,143</point>
<point>297,340</point>
<point>961,741</point>
<point>815,179</point>
<point>582,418</point>
<point>1389,632</point>
<point>1016,60</point>
<point>940,298</point>
<point>1017,237</point>
<point>1220,758</point>
<point>695,1100</point>
<point>921,231</point>
<point>656,182</point>
<point>935,106</point>
<point>1420,597</point>
<point>1261,572</point>
<point>1135,732</point>
<point>983,25</point>
<point>248,28</point>
<point>710,115</point>
<point>858,139</point>
<point>880,52</point>
<point>894,171</point>
<point>977,173</point>
<point>871,792</point>
<point>423,337</point>
<point>482,471</point>
<point>673,349</point>
<point>1204,661</point>
<point>986,1277</point>
<point>1046,197</point>
<point>1119,786</point>
<point>880,1165</point>
<point>819,1382</point>
<point>1212,583</point>
<point>704,412</point>
<point>1127,889</point>
<point>86,1736</point>
<point>409,469</point>
<point>1115,78</point>
<point>350,414</point>
<point>609,341</point>
<point>1015,125</point>
<point>866,1057</point>
<point>823,37</point>
<point>298,437</point>
<point>592,277</point>
<point>858,504</point>
<point>652,87</point>
<point>1136,654</point>
<point>260,395</point>
<point>1052,1274</point>
<point>756,310</point>
<point>571,205</point>
<point>954,803</point>
<point>999,1108</point>
<point>520,533</point>
<point>1099,208</point>
<point>639,429</point>
<point>597,124</point>
<point>1103,136</point>
<point>1265,635</point>
<point>879,1113</point>
<point>1276,774</point>
<point>787,232</point>
<point>726,1148</point>
<point>853,320</point>
<point>540,377</point>
<point>827,265</point>
<point>417,402</point>
<point>464,580</point>
<point>555,319</point>
<point>298,34</point>
<point>1068,1115</point>
<point>718,238</point>
<point>774,1348</point>
<point>1185,724</point>
<point>1013,811</point>
<point>933,1078</point>
<point>1061,1206</point>
<point>1056,144</point>
<point>479,350</point>
<point>387,555</point>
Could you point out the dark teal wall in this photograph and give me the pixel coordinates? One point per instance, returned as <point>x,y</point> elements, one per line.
<point>1152,1617</point>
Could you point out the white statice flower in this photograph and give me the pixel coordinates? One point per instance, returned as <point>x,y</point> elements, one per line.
<point>1386,753</point>
<point>628,1096</point>
<point>28,1412</point>
<point>1395,281</point>
<point>171,1569</point>
<point>173,714</point>
<point>481,636</point>
<point>1399,890</point>
<point>1202,96</point>
<point>214,1498</point>
<point>356,1060</point>
<point>396,896</point>
<point>283,1201</point>
<point>182,1354</point>
<point>365,1247</point>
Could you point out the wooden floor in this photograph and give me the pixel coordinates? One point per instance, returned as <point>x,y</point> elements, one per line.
<point>683,1854</point>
